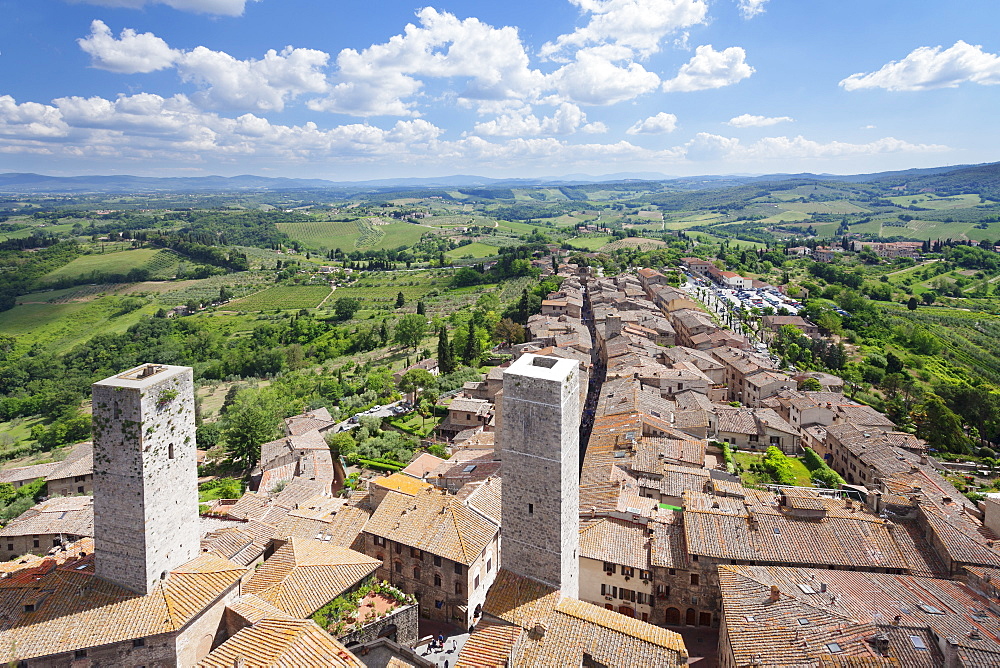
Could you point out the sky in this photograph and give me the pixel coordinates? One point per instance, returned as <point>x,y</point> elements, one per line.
<point>351,90</point>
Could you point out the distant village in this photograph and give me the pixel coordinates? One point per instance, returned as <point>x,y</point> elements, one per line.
<point>586,516</point>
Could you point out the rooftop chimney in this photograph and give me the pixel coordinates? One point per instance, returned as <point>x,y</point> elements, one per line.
<point>775,594</point>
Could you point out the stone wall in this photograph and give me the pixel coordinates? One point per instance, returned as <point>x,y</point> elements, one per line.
<point>406,620</point>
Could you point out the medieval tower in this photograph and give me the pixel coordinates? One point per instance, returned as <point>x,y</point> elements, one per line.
<point>540,450</point>
<point>145,475</point>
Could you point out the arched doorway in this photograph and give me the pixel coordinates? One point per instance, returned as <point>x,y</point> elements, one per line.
<point>704,619</point>
<point>673,616</point>
<point>627,611</point>
<point>689,617</point>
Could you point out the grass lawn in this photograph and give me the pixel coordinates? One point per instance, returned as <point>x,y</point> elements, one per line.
<point>412,423</point>
<point>754,479</point>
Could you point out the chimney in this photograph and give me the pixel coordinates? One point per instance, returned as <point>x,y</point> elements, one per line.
<point>775,594</point>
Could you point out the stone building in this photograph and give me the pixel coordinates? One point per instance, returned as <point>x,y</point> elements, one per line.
<point>540,449</point>
<point>437,548</point>
<point>48,525</point>
<point>615,571</point>
<point>73,475</point>
<point>145,475</point>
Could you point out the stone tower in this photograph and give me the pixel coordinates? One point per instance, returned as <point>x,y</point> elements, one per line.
<point>145,475</point>
<point>540,450</point>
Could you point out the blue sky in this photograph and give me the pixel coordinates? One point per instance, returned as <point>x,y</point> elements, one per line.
<point>350,90</point>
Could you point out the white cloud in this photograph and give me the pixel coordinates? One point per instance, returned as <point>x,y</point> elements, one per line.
<point>264,84</point>
<point>29,120</point>
<point>707,146</point>
<point>751,8</point>
<point>381,78</point>
<point>594,79</point>
<point>709,68</point>
<point>131,53</point>
<point>173,131</point>
<point>566,120</point>
<point>928,67</point>
<point>751,121</point>
<point>658,124</point>
<point>218,7</point>
<point>639,25</point>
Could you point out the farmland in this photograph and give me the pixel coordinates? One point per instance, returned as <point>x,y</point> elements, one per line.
<point>158,262</point>
<point>282,297</point>
<point>328,235</point>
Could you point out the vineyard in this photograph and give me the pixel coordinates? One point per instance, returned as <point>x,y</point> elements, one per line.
<point>971,341</point>
<point>207,290</point>
<point>283,297</point>
<point>328,235</point>
<point>160,264</point>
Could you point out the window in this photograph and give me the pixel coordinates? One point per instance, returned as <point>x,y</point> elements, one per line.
<point>416,554</point>
<point>628,571</point>
<point>609,568</point>
<point>79,478</point>
<point>458,569</point>
<point>640,598</point>
<point>437,579</point>
<point>170,451</point>
<point>438,604</point>
<point>80,654</point>
<point>10,547</point>
<point>672,571</point>
<point>626,595</point>
<point>399,548</point>
<point>398,567</point>
<point>80,489</point>
<point>416,573</point>
<point>55,542</point>
<point>475,583</point>
<point>458,589</point>
<point>380,541</point>
<point>609,590</point>
<point>437,560</point>
<point>380,557</point>
<point>694,578</point>
<point>29,607</point>
<point>645,575</point>
<point>35,542</point>
<point>694,557</point>
<point>139,642</point>
<point>531,509</point>
<point>489,565</point>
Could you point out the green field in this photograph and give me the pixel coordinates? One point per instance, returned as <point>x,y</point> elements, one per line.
<point>928,201</point>
<point>802,476</point>
<point>156,261</point>
<point>282,297</point>
<point>59,327</point>
<point>475,249</point>
<point>328,235</point>
<point>395,235</point>
<point>590,243</point>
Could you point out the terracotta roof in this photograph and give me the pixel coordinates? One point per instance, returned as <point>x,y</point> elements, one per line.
<point>281,643</point>
<point>73,515</point>
<point>242,544</point>
<point>434,522</point>
<point>616,541</point>
<point>487,498</point>
<point>404,484</point>
<point>577,630</point>
<point>75,610</point>
<point>28,473</point>
<point>520,600</point>
<point>489,647</point>
<point>422,465</point>
<point>79,462</point>
<point>752,530</point>
<point>304,575</point>
<point>853,612</point>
